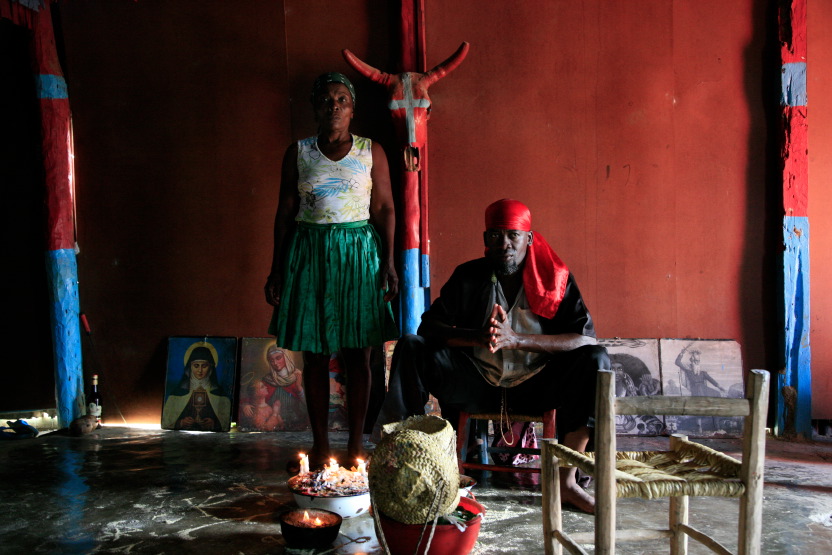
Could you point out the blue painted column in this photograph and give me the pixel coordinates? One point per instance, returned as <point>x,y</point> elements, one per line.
<point>794,399</point>
<point>412,294</point>
<point>61,268</point>
<point>793,412</point>
<point>66,334</point>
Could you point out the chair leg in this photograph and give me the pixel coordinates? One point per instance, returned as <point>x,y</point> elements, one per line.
<point>550,486</point>
<point>754,444</point>
<point>678,515</point>
<point>605,447</point>
<point>751,517</point>
<point>549,429</point>
<point>481,434</point>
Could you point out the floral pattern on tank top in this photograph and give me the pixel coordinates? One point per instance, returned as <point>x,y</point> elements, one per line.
<point>334,192</point>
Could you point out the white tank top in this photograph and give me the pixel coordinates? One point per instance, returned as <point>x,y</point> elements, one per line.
<point>334,192</point>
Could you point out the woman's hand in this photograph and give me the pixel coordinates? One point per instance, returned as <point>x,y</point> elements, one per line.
<point>389,280</point>
<point>274,284</point>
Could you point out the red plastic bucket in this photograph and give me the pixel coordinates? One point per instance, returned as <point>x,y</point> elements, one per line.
<point>447,539</point>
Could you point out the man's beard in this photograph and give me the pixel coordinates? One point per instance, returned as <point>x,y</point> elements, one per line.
<point>506,268</point>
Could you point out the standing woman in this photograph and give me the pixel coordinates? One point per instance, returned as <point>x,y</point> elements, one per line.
<point>332,273</point>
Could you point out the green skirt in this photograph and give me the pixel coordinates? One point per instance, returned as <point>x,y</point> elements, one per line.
<point>332,297</point>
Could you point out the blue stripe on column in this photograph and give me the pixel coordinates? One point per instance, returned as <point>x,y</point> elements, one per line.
<point>794,403</point>
<point>793,84</point>
<point>66,334</point>
<point>424,275</point>
<point>413,297</point>
<point>34,5</point>
<point>51,86</point>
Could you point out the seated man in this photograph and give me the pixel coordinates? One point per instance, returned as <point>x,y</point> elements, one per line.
<point>508,331</point>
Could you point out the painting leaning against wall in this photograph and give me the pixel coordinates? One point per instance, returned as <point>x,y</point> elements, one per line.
<point>702,368</point>
<point>199,387</point>
<point>637,372</point>
<point>272,397</point>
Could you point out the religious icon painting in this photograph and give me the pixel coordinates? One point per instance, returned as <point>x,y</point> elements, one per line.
<point>387,349</point>
<point>702,368</point>
<point>271,388</point>
<point>636,366</point>
<point>432,406</point>
<point>199,387</point>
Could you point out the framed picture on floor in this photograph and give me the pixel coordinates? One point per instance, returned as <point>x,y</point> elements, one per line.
<point>272,397</point>
<point>199,387</point>
<point>702,368</point>
<point>636,366</point>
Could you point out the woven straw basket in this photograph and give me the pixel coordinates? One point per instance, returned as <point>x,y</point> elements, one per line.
<point>413,474</point>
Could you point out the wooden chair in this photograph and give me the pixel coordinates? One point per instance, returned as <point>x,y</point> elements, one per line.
<point>687,469</point>
<point>462,438</point>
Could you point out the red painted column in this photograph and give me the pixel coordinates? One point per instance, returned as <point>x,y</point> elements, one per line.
<point>794,387</point>
<point>415,264</point>
<point>62,270</point>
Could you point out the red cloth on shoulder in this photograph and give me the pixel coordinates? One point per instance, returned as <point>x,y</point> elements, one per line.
<point>544,275</point>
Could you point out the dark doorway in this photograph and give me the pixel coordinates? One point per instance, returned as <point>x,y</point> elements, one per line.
<point>27,369</point>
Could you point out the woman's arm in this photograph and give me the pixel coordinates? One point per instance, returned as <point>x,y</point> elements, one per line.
<point>284,222</point>
<point>383,217</point>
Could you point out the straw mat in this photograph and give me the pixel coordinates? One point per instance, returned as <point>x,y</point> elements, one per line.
<point>691,469</point>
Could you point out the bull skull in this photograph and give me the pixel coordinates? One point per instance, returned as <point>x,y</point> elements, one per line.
<point>409,101</point>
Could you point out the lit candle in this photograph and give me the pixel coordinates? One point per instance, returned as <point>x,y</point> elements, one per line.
<point>333,465</point>
<point>362,468</point>
<point>309,528</point>
<point>308,522</point>
<point>304,463</point>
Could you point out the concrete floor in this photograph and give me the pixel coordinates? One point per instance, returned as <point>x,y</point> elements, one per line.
<point>121,490</point>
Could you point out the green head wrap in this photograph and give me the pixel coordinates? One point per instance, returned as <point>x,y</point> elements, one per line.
<point>332,77</point>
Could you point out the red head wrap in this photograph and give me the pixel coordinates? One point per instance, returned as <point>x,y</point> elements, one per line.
<point>544,275</point>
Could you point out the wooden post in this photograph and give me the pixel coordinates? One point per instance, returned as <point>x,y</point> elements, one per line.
<point>605,447</point>
<point>751,473</point>
<point>61,267</point>
<point>415,264</point>
<point>550,486</point>
<point>410,106</point>
<point>679,507</point>
<point>794,386</point>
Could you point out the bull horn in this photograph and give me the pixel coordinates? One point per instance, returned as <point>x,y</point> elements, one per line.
<point>365,69</point>
<point>447,66</point>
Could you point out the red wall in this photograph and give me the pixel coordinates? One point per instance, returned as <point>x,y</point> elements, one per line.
<point>819,93</point>
<point>181,113</point>
<point>635,131</point>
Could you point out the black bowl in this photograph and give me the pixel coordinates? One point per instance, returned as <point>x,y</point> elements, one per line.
<point>297,535</point>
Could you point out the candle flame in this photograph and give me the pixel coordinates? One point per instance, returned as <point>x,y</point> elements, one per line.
<point>305,515</point>
<point>318,521</point>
